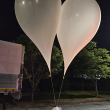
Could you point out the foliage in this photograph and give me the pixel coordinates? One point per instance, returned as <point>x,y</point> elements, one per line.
<point>35,66</point>
<point>92,62</point>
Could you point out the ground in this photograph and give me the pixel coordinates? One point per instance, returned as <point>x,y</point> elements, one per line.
<point>80,106</point>
<point>26,106</point>
<point>69,98</point>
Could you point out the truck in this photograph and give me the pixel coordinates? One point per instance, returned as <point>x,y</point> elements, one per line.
<point>11,69</point>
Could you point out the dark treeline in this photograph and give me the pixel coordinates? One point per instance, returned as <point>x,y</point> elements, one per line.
<point>70,84</point>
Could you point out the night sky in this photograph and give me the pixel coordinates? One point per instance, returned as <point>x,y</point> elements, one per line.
<point>10,29</point>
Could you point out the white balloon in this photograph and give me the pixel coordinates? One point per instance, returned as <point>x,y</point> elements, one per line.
<point>79,22</point>
<point>39,20</point>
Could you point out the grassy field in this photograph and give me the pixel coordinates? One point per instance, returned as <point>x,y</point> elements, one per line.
<point>65,96</point>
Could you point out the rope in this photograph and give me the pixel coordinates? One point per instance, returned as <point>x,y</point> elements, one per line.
<point>53,90</point>
<point>60,90</point>
<point>56,103</point>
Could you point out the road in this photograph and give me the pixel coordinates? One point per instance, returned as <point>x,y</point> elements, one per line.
<point>87,106</point>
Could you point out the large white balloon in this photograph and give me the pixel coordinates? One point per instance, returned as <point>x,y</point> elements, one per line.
<point>39,20</point>
<point>79,22</point>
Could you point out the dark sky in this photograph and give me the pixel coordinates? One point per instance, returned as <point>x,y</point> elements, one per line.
<point>10,29</point>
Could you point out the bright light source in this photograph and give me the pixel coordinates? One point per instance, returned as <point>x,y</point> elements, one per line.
<point>37,1</point>
<point>77,15</point>
<point>23,2</point>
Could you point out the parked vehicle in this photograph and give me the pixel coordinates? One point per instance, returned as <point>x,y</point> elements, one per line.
<point>11,69</point>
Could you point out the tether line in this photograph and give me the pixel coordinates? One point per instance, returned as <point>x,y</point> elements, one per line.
<point>53,90</point>
<point>60,90</point>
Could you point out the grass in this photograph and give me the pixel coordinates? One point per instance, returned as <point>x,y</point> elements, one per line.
<point>45,97</point>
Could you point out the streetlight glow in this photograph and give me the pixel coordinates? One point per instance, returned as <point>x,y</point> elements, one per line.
<point>37,1</point>
<point>23,2</point>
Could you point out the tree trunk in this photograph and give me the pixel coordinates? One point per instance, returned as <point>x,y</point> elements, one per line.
<point>32,96</point>
<point>89,85</point>
<point>82,83</point>
<point>33,79</point>
<point>96,88</point>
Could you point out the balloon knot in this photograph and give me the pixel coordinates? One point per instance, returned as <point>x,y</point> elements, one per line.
<point>50,75</point>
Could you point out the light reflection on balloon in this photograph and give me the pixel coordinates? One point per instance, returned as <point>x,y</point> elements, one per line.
<point>23,2</point>
<point>37,1</point>
<point>79,22</point>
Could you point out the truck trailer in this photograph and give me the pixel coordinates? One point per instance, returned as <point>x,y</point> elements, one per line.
<point>11,68</point>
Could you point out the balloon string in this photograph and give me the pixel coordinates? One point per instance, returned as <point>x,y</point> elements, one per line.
<point>53,90</point>
<point>60,90</point>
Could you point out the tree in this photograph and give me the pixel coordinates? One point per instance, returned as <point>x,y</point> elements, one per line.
<point>92,63</point>
<point>35,66</point>
<point>100,66</point>
<point>80,61</point>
